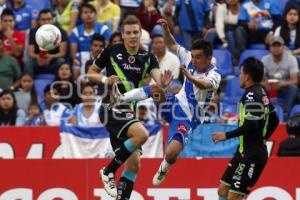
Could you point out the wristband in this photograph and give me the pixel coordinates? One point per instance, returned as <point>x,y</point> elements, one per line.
<point>103,79</point>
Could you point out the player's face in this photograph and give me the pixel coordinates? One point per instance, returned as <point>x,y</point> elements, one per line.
<point>158,45</point>
<point>243,78</point>
<point>6,102</point>
<point>292,16</point>
<point>97,47</point>
<point>46,18</point>
<point>7,22</point>
<point>88,15</point>
<point>277,49</point>
<point>131,35</point>
<point>88,95</point>
<point>199,60</point>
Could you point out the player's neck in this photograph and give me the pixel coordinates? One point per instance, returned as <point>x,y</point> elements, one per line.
<point>89,26</point>
<point>131,50</point>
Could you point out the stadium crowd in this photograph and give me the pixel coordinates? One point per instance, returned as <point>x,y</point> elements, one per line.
<point>32,81</point>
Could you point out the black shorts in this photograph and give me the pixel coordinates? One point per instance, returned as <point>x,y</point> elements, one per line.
<point>117,120</point>
<point>242,173</point>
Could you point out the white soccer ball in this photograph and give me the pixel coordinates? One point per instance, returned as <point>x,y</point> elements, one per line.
<point>48,37</point>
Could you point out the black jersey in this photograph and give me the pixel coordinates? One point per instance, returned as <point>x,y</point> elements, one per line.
<point>254,113</point>
<point>128,67</point>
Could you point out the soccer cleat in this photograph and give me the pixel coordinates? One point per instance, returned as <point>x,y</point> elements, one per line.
<point>115,95</point>
<point>159,177</point>
<point>109,183</point>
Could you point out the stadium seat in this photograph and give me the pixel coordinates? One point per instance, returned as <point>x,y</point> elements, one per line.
<point>233,92</point>
<point>281,4</point>
<point>258,46</point>
<point>40,82</point>
<point>279,112</point>
<point>294,110</point>
<point>224,61</point>
<point>257,53</point>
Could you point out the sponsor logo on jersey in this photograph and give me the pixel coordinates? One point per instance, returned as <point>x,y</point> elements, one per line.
<point>181,129</point>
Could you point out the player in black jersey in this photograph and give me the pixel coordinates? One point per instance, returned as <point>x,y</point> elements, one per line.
<point>257,121</point>
<point>127,65</point>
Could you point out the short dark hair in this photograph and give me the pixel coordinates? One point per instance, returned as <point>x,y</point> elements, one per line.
<point>143,108</point>
<point>45,11</point>
<point>115,34</point>
<point>98,37</point>
<point>157,36</point>
<point>203,45</point>
<point>88,6</point>
<point>254,68</point>
<point>131,20</point>
<point>47,89</point>
<point>7,12</point>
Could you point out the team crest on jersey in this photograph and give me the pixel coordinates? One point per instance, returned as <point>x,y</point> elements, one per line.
<point>129,115</point>
<point>181,128</point>
<point>131,59</point>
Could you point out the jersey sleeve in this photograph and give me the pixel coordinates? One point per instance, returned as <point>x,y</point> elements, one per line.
<point>153,63</point>
<point>73,38</point>
<point>103,60</point>
<point>214,78</point>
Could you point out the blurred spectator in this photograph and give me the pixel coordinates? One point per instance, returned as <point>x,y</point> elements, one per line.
<point>53,111</point>
<point>227,15</point>
<point>10,114</point>
<point>24,15</point>
<point>2,7</point>
<point>291,145</point>
<point>229,117</point>
<point>87,112</point>
<point>66,14</point>
<point>148,15</point>
<point>80,39</point>
<point>147,112</point>
<point>256,20</point>
<point>166,59</point>
<point>292,3</point>
<point>43,64</point>
<point>9,69</point>
<point>290,30</point>
<point>65,85</point>
<point>127,6</point>
<point>116,38</point>
<point>38,5</point>
<point>193,19</point>
<point>97,45</point>
<point>282,66</point>
<point>14,41</point>
<point>34,117</point>
<point>108,13</point>
<point>26,94</point>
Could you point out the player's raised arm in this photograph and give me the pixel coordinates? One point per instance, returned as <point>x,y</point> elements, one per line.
<point>170,40</point>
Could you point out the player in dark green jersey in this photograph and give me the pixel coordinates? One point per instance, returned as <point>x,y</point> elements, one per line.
<point>257,121</point>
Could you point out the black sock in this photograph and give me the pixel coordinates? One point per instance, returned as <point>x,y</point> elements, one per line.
<point>125,188</point>
<point>119,159</point>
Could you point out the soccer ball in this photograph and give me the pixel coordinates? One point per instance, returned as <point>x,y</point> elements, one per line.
<point>48,37</point>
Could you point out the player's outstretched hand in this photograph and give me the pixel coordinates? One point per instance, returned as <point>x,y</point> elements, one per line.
<point>166,78</point>
<point>218,136</point>
<point>163,23</point>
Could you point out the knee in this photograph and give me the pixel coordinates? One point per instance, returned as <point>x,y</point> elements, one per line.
<point>240,31</point>
<point>140,139</point>
<point>222,192</point>
<point>171,156</point>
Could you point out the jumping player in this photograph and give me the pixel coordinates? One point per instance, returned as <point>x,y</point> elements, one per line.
<point>257,121</point>
<point>127,65</point>
<point>184,110</point>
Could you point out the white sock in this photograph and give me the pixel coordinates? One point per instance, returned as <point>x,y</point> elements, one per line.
<point>165,166</point>
<point>137,94</point>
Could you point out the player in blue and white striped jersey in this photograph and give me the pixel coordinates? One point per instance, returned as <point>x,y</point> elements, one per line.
<point>185,110</point>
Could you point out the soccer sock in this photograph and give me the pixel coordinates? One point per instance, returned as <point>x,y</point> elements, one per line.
<point>125,185</point>
<point>125,151</point>
<point>137,94</point>
<point>222,198</point>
